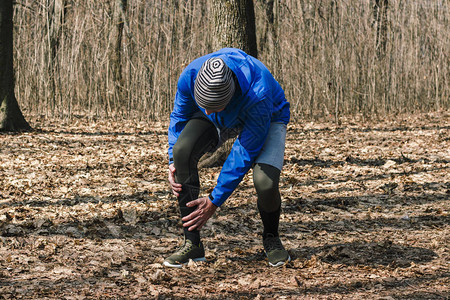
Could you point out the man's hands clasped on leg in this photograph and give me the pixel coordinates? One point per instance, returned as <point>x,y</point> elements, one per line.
<point>205,208</point>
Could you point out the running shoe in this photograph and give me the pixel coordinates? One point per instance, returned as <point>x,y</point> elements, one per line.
<point>184,254</point>
<point>275,252</point>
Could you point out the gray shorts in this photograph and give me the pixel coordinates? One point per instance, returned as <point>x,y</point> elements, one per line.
<point>272,153</point>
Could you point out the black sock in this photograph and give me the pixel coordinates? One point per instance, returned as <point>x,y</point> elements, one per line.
<point>270,220</point>
<point>189,193</point>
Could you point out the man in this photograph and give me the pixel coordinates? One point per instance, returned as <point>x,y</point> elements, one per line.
<point>220,93</point>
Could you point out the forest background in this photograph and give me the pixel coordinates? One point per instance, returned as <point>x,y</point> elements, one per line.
<point>333,58</point>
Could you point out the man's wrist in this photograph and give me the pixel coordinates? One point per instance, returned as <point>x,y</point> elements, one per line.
<point>211,198</point>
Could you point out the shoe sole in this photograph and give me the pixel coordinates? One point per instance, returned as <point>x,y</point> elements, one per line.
<point>170,265</point>
<point>280,263</point>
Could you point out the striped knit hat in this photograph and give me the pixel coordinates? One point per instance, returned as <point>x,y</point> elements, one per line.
<point>214,85</point>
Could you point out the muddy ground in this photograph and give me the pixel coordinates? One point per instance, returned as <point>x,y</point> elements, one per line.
<point>86,213</point>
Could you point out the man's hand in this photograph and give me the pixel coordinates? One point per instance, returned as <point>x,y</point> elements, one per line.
<point>176,187</point>
<point>205,209</point>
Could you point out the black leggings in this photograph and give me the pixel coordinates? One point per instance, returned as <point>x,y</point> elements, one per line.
<point>200,136</point>
<point>197,137</point>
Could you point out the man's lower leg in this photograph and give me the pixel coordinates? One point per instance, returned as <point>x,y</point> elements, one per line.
<point>271,220</point>
<point>192,247</point>
<point>266,179</point>
<point>189,193</point>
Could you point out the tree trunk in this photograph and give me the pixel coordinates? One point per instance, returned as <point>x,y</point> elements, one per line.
<point>56,16</point>
<point>270,38</point>
<point>234,25</point>
<point>11,118</point>
<point>120,8</point>
<point>380,15</point>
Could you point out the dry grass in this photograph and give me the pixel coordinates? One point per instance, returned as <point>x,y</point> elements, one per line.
<point>327,54</point>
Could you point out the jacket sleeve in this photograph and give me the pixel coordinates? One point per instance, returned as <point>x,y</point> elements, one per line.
<point>256,124</point>
<point>184,108</point>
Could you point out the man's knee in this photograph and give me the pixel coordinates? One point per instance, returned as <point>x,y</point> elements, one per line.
<point>180,149</point>
<point>266,179</point>
<point>196,138</point>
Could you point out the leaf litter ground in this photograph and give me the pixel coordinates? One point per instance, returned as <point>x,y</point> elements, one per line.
<point>86,213</point>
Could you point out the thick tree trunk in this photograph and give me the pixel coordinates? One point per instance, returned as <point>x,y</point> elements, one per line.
<point>234,25</point>
<point>11,118</point>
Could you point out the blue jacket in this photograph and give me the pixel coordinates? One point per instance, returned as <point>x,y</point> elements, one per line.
<point>257,102</point>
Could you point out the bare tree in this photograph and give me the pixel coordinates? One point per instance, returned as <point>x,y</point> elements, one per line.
<point>11,117</point>
<point>55,18</point>
<point>234,26</point>
<point>119,10</point>
<point>380,10</point>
